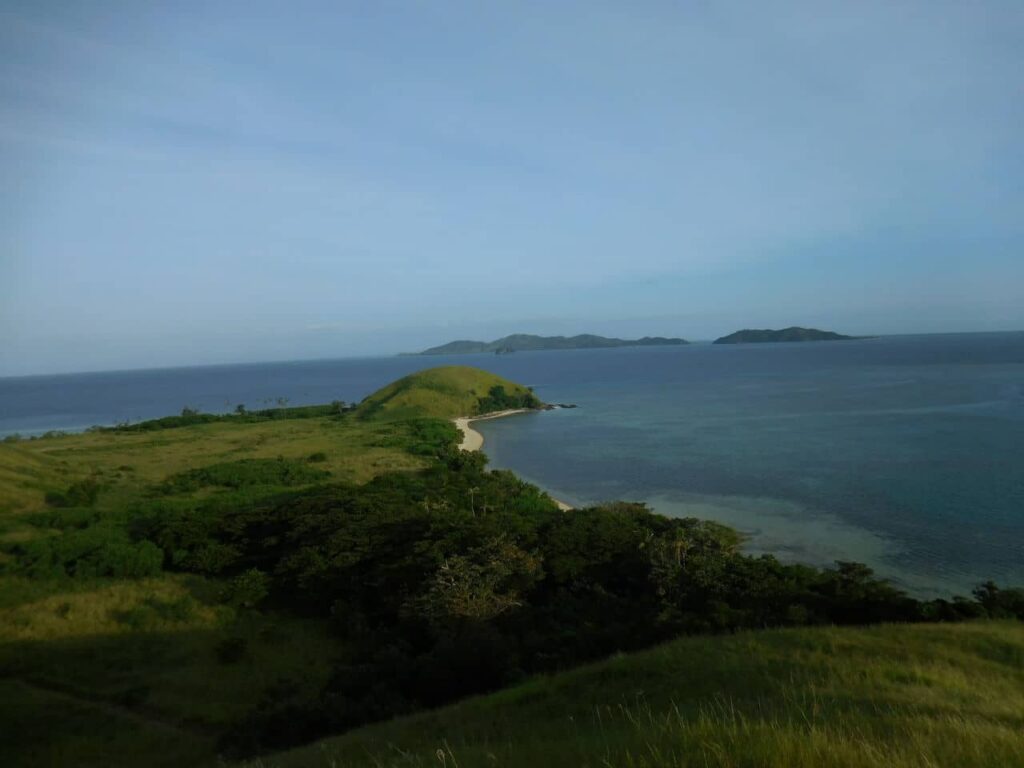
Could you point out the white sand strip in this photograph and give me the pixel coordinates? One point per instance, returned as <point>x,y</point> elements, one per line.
<point>474,441</point>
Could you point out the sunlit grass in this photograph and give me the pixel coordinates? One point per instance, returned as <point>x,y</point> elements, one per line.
<point>914,695</point>
<point>124,463</point>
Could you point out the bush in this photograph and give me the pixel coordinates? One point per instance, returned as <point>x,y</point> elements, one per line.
<point>96,551</point>
<point>80,494</point>
<point>498,399</point>
<point>244,474</point>
<point>247,590</point>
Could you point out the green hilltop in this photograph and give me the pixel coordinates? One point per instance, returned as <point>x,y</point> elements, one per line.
<point>445,392</point>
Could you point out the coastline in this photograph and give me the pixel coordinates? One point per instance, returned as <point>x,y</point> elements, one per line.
<point>473,441</point>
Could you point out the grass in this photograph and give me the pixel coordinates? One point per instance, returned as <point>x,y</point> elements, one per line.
<point>160,651</point>
<point>444,392</point>
<point>44,728</point>
<point>354,452</point>
<point>146,672</point>
<point>900,696</point>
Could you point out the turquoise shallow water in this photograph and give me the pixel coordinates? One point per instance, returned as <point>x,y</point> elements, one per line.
<point>903,452</point>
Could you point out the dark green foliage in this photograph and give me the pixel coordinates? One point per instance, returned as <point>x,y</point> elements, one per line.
<point>96,551</point>
<point>498,399</point>
<point>154,610</point>
<point>247,589</point>
<point>422,437</point>
<point>1000,603</point>
<point>456,580</point>
<point>245,473</point>
<point>80,494</point>
<point>64,518</point>
<point>241,415</point>
<point>315,458</point>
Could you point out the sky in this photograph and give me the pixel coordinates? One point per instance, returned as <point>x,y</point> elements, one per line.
<point>191,182</point>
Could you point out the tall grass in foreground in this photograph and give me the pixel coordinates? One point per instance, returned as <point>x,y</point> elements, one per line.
<point>901,696</point>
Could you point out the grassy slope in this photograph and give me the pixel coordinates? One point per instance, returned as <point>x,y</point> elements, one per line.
<point>900,696</point>
<point>444,392</point>
<point>82,653</point>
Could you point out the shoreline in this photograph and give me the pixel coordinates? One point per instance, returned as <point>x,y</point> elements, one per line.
<point>473,441</point>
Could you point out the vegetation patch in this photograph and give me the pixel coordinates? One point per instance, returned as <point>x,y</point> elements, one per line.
<point>189,417</point>
<point>245,473</point>
<point>499,399</point>
<point>80,494</point>
<point>96,551</point>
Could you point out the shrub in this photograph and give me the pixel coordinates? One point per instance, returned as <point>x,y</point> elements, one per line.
<point>247,589</point>
<point>96,551</point>
<point>498,399</point>
<point>80,494</point>
<point>243,474</point>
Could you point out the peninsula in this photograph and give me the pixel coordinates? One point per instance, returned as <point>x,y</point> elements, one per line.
<point>345,572</point>
<point>795,333</point>
<point>522,342</point>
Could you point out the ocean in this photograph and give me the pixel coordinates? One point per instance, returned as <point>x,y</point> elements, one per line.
<point>903,452</point>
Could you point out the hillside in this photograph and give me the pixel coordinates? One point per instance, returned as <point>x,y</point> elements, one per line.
<point>795,333</point>
<point>523,342</point>
<point>203,588</point>
<point>895,696</point>
<point>108,657</point>
<point>445,392</point>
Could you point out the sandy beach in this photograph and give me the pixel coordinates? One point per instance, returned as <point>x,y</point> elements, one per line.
<point>474,441</point>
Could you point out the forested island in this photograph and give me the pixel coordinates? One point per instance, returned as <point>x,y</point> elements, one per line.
<point>209,588</point>
<point>794,333</point>
<point>522,342</point>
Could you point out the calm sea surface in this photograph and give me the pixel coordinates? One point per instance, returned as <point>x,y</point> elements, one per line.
<point>903,452</point>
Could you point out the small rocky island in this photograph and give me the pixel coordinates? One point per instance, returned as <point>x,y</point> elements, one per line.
<point>795,333</point>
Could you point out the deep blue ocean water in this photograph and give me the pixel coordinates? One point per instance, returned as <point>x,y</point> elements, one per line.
<point>903,452</point>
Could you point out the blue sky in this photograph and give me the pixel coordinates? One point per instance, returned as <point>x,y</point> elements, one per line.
<point>218,182</point>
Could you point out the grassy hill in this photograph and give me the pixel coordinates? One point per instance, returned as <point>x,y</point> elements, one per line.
<point>444,392</point>
<point>895,696</point>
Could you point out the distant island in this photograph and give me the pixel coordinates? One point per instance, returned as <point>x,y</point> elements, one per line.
<point>750,336</point>
<point>522,342</point>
